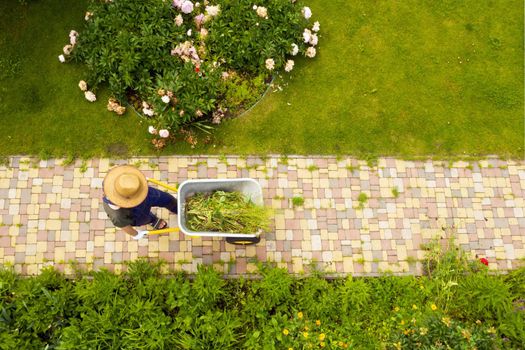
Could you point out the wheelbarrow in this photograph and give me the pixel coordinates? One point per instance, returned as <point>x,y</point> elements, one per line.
<point>249,187</point>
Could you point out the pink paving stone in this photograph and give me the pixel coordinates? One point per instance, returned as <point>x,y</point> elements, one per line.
<point>64,214</point>
<point>81,245</point>
<point>168,256</point>
<point>507,239</point>
<point>5,242</point>
<point>296,244</point>
<point>21,240</point>
<point>354,234</point>
<point>279,245</point>
<point>97,224</point>
<point>142,251</point>
<point>358,268</point>
<point>207,250</point>
<point>98,252</point>
<point>240,266</point>
<point>260,251</point>
<point>386,244</point>
<point>297,235</point>
<point>70,256</point>
<point>325,245</point>
<point>317,256</point>
<point>46,173</point>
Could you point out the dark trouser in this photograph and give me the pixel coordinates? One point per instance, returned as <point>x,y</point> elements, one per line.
<point>155,198</point>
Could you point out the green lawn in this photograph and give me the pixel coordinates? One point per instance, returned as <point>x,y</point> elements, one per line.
<point>404,78</point>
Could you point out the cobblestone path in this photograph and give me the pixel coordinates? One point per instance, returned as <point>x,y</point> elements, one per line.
<point>355,219</point>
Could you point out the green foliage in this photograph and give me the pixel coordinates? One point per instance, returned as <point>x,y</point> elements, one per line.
<point>186,70</point>
<point>225,212</point>
<point>143,309</point>
<point>297,201</point>
<point>362,199</point>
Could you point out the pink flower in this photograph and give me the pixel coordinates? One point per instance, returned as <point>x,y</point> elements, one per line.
<point>311,52</point>
<point>164,133</point>
<point>152,130</point>
<point>307,13</point>
<point>289,65</point>
<point>67,49</point>
<point>73,33</point>
<point>165,99</point>
<point>199,19</point>
<point>179,20</point>
<point>88,15</point>
<point>82,85</point>
<point>90,96</point>
<point>177,3</point>
<point>187,7</point>
<point>73,40</point>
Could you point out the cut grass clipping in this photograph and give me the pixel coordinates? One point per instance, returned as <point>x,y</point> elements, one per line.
<point>225,212</point>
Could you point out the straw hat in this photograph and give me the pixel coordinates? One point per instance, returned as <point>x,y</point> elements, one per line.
<point>125,186</point>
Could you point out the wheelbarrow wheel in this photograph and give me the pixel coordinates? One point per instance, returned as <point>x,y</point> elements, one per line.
<point>243,240</point>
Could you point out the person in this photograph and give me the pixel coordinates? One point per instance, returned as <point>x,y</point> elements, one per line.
<point>127,200</point>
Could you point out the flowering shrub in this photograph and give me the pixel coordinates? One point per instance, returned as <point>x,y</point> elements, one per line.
<point>173,61</point>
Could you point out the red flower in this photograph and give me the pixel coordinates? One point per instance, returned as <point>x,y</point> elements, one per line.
<point>197,69</point>
<point>484,261</point>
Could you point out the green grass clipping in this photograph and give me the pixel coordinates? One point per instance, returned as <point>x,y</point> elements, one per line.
<point>221,211</point>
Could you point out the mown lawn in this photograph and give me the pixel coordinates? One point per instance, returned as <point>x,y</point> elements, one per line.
<point>404,78</point>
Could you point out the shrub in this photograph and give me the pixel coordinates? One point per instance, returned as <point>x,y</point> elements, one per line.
<point>181,64</point>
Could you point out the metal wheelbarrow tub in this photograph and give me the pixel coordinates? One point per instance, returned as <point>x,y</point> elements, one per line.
<point>249,187</point>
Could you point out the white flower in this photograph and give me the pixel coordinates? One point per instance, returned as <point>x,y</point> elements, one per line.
<point>310,52</point>
<point>67,49</point>
<point>199,19</point>
<point>197,4</point>
<point>270,63</point>
<point>147,111</point>
<point>307,13</point>
<point>254,7</point>
<point>204,32</point>
<point>73,33</point>
<point>90,96</point>
<point>316,26</point>
<point>152,130</point>
<point>313,39</point>
<point>165,99</point>
<point>187,7</point>
<point>289,65</point>
<point>88,15</point>
<point>177,3</point>
<point>306,35</point>
<point>61,58</point>
<point>145,104</point>
<point>164,133</point>
<point>262,11</point>
<point>213,10</point>
<point>179,20</point>
<point>73,40</point>
<point>188,33</point>
<point>82,85</point>
<point>295,49</point>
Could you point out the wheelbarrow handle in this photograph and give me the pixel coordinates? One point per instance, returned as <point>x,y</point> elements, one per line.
<point>160,183</point>
<point>164,230</point>
<point>142,234</point>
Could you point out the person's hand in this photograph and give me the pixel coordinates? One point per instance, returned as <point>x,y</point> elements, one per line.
<point>140,234</point>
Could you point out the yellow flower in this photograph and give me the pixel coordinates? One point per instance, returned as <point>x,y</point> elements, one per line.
<point>340,343</point>
<point>300,314</point>
<point>398,345</point>
<point>305,334</point>
<point>396,309</point>
<point>322,344</point>
<point>466,334</point>
<point>414,307</point>
<point>491,330</point>
<point>402,322</point>
<point>306,328</point>
<point>421,287</point>
<point>285,331</point>
<point>446,321</point>
<point>406,331</point>
<point>423,330</point>
<point>322,336</point>
<point>433,307</point>
<point>290,348</point>
<point>478,322</point>
<point>318,323</point>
